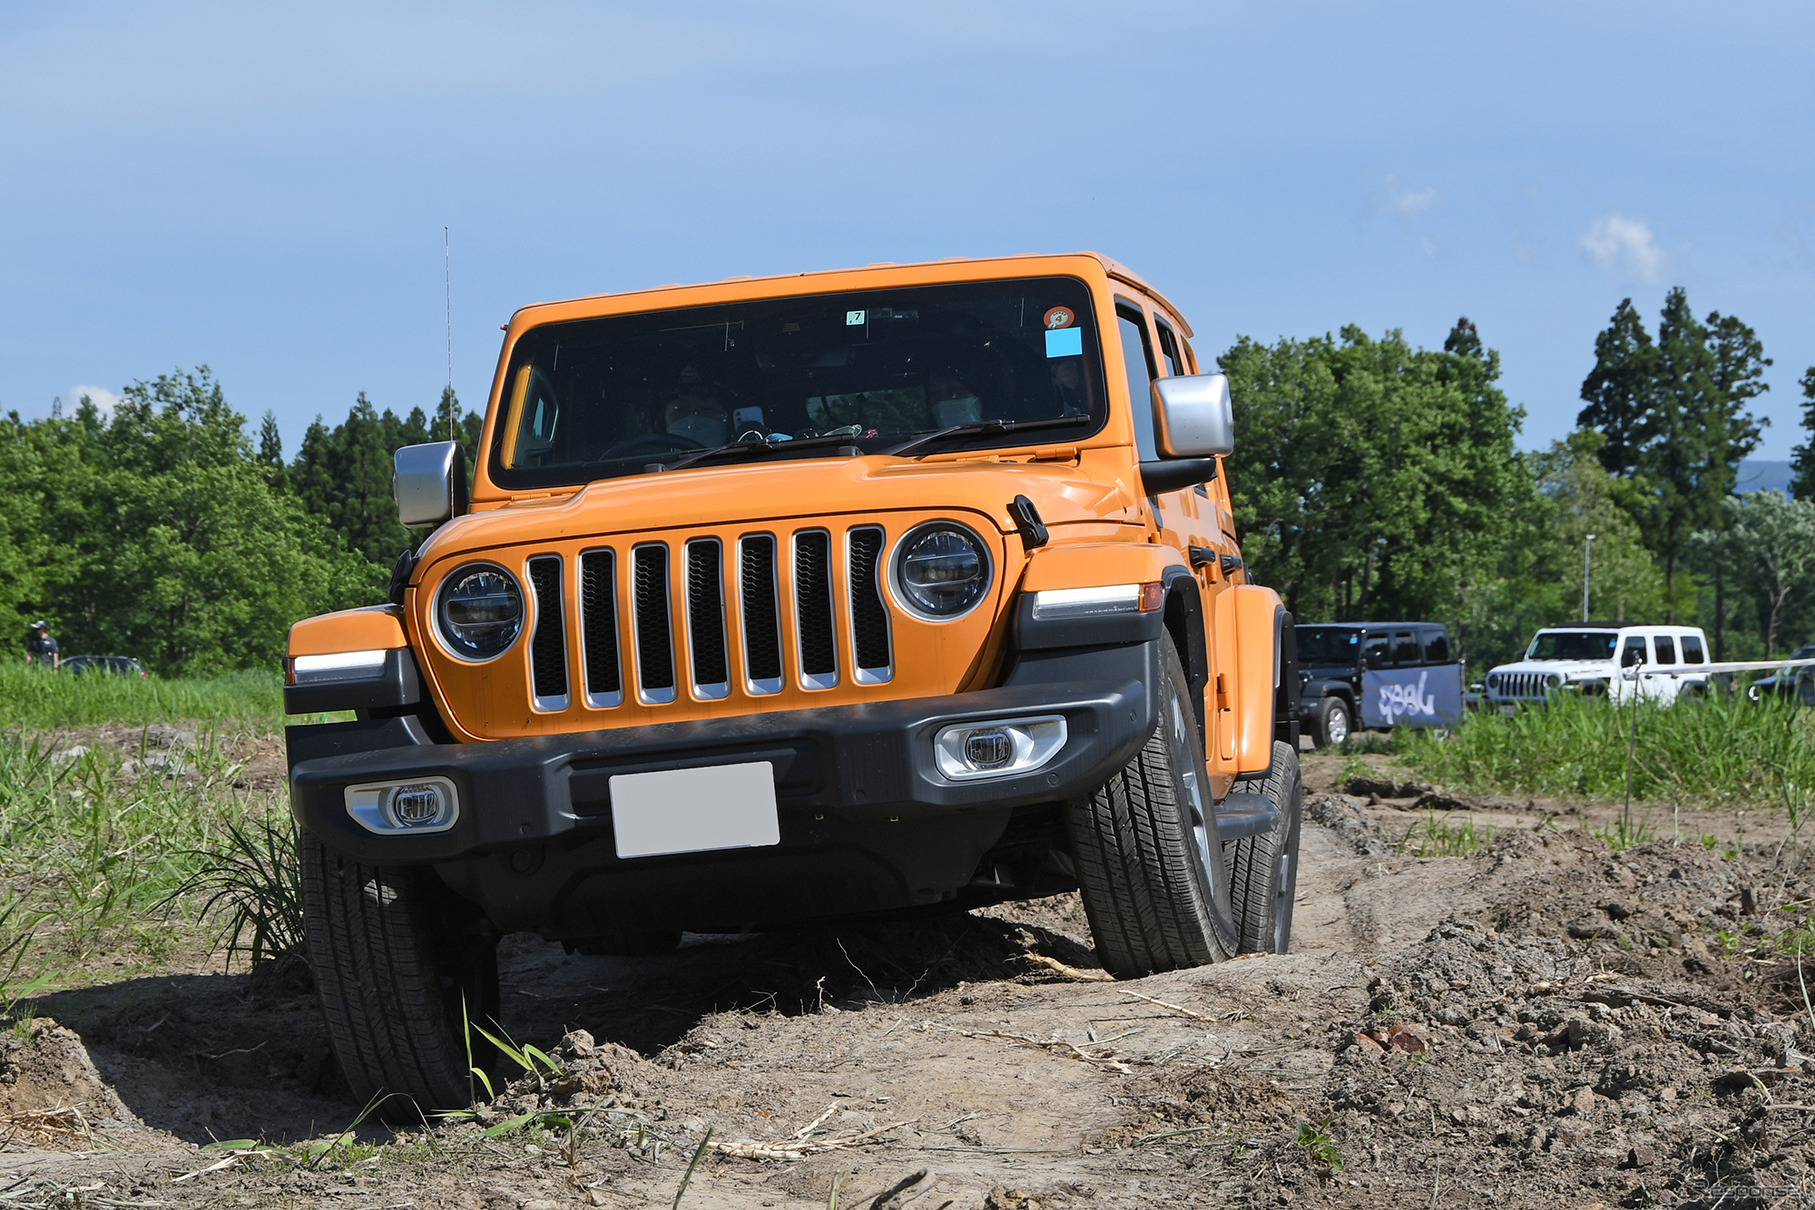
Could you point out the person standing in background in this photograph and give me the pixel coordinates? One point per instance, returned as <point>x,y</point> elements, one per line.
<point>40,648</point>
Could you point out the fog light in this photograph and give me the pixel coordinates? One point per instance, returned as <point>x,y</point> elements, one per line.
<point>1002,748</point>
<point>415,805</point>
<point>428,804</point>
<point>989,749</point>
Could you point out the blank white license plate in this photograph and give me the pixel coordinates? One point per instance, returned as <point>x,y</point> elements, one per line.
<point>1507,711</point>
<point>695,810</point>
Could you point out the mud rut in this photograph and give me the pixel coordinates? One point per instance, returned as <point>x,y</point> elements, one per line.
<point>1546,1022</point>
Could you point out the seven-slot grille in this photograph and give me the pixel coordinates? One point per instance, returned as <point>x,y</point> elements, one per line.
<point>1523,684</point>
<point>695,649</point>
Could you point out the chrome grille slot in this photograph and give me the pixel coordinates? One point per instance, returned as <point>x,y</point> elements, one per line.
<point>599,628</point>
<point>869,616</point>
<point>650,622</point>
<point>756,594</point>
<point>548,643</point>
<point>815,637</point>
<point>706,659</point>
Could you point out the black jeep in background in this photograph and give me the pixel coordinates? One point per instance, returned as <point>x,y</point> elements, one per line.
<point>1332,657</point>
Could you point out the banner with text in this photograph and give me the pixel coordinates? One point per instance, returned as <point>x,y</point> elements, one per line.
<point>1412,697</point>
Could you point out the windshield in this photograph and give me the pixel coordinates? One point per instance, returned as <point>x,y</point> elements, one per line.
<point>1328,645</point>
<point>1573,645</point>
<point>596,398</point>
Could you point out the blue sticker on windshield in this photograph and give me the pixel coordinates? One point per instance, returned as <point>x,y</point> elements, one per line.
<point>1065,342</point>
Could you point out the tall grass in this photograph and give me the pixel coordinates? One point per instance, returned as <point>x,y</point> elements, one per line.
<point>1706,752</point>
<point>39,698</point>
<point>91,848</point>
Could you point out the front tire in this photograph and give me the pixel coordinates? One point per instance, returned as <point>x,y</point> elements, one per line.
<point>402,967</point>
<point>1333,723</point>
<point>1149,862</point>
<point>1263,870</point>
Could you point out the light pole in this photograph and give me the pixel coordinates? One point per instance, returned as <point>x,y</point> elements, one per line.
<point>1587,563</point>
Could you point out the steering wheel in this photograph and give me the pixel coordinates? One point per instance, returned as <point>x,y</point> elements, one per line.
<point>652,443</point>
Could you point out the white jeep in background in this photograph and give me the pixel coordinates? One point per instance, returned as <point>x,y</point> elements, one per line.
<point>1599,659</point>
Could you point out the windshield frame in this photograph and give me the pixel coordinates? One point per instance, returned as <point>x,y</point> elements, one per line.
<point>1611,637</point>
<point>520,352</point>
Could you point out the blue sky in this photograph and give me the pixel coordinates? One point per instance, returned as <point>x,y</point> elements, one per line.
<point>263,188</point>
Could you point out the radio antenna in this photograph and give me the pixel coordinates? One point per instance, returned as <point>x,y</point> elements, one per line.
<point>447,272</point>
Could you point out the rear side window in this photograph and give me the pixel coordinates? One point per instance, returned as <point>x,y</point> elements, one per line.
<point>1175,364</point>
<point>1666,649</point>
<point>1436,647</point>
<point>1692,650</point>
<point>1405,648</point>
<point>1137,363</point>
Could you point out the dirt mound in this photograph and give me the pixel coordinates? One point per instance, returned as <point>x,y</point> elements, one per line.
<point>50,1093</point>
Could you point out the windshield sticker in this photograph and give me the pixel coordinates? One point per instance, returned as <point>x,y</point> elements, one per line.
<point>853,319</point>
<point>1060,317</point>
<point>1065,342</point>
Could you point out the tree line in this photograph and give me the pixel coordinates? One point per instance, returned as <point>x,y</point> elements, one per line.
<point>165,531</point>
<point>1375,481</point>
<point>1372,480</point>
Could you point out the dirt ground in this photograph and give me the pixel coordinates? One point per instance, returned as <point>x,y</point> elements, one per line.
<point>1547,1022</point>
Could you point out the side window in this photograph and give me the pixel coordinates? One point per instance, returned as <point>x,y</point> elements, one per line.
<point>1137,363</point>
<point>1692,650</point>
<point>1436,647</point>
<point>1175,364</point>
<point>1666,649</point>
<point>1405,647</point>
<point>1374,651</point>
<point>1633,652</point>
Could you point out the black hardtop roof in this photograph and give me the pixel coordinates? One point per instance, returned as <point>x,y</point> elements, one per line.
<point>1370,625</point>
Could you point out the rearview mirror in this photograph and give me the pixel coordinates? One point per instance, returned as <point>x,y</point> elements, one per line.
<point>1193,416</point>
<point>430,482</point>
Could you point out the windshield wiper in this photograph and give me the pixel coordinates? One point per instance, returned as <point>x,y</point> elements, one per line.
<point>762,446</point>
<point>980,427</point>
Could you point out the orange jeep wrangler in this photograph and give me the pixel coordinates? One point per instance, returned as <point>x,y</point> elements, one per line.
<point>893,589</point>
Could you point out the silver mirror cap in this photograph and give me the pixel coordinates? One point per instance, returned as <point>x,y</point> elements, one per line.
<point>1193,416</point>
<point>430,482</point>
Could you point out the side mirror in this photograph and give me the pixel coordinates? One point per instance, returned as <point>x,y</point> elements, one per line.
<point>1193,416</point>
<point>430,482</point>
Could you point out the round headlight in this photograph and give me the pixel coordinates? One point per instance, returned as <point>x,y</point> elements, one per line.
<point>1554,681</point>
<point>941,570</point>
<point>479,611</point>
<point>1493,680</point>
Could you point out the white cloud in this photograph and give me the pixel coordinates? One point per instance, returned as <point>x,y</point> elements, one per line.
<point>1626,248</point>
<point>101,397</point>
<point>1410,202</point>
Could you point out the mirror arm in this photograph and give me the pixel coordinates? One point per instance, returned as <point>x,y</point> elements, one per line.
<point>1175,474</point>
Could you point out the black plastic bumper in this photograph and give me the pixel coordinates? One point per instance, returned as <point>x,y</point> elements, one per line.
<point>866,820</point>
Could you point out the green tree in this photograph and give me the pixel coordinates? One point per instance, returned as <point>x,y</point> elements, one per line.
<point>1373,479</point>
<point>1618,389</point>
<point>1624,583</point>
<point>1675,422</point>
<point>157,534</point>
<point>343,474</point>
<point>1802,487</point>
<point>1769,540</point>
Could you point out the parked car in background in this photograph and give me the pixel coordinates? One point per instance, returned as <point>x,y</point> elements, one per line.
<point>117,665</point>
<point>1785,683</point>
<point>1591,658</point>
<point>1334,659</point>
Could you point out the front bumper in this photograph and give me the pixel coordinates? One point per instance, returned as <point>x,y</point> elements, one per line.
<point>866,820</point>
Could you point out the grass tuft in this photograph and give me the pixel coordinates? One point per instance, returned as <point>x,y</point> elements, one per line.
<point>1442,836</point>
